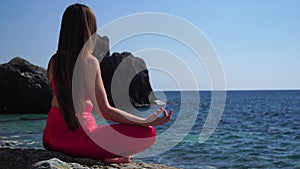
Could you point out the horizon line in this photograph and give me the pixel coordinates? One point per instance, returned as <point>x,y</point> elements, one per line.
<point>252,89</point>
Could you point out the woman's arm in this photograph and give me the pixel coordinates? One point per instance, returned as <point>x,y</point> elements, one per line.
<point>54,101</point>
<point>50,69</point>
<point>102,106</point>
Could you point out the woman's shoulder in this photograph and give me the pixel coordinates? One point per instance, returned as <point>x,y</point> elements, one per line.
<point>92,62</point>
<point>91,59</point>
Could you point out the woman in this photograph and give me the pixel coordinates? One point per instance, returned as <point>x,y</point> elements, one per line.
<point>75,132</point>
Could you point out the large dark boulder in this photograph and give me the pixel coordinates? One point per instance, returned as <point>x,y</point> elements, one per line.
<point>23,88</point>
<point>131,80</point>
<point>139,91</point>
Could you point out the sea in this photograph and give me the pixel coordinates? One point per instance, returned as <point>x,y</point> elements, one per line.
<point>257,129</point>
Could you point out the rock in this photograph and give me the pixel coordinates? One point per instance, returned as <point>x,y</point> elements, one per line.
<point>23,88</point>
<point>139,91</point>
<point>101,47</point>
<point>56,163</point>
<point>132,71</point>
<point>42,159</point>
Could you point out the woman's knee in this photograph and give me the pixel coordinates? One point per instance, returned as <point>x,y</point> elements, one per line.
<point>152,131</point>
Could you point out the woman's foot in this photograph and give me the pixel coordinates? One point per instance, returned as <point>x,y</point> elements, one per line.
<point>118,160</point>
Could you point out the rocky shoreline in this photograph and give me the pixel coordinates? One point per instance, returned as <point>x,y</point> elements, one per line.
<point>26,85</point>
<point>18,158</point>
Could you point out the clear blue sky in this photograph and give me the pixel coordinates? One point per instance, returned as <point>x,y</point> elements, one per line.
<point>258,41</point>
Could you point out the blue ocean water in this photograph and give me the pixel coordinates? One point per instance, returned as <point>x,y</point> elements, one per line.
<point>258,129</point>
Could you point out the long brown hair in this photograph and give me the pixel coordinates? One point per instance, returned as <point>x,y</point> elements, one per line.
<point>78,25</point>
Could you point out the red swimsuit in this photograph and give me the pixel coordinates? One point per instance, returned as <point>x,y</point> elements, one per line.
<point>93,141</point>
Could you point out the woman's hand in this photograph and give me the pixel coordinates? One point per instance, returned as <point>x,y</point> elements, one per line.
<point>155,120</point>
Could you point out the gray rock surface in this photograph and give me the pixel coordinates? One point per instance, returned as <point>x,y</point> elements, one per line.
<point>54,163</point>
<point>42,159</point>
